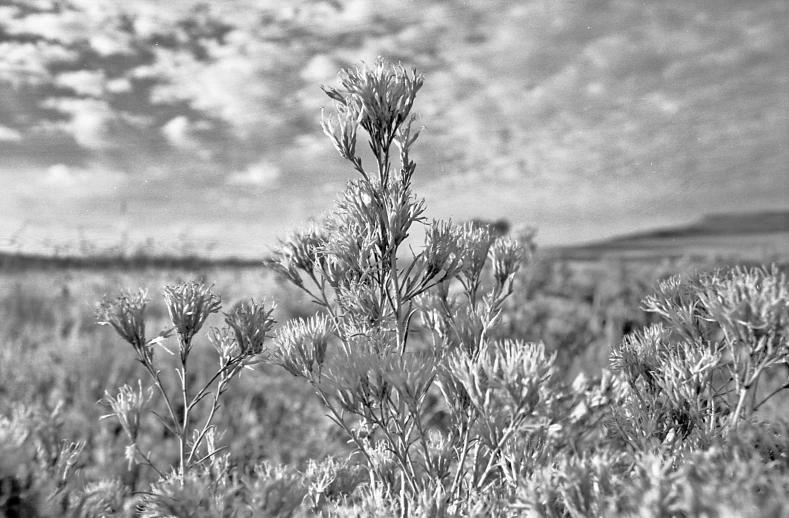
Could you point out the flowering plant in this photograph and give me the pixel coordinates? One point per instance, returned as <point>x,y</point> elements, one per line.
<point>361,354</point>
<point>239,345</point>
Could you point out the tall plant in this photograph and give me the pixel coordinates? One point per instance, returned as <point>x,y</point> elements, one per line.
<point>359,353</point>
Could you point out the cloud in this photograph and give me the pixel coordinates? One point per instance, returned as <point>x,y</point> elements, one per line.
<point>261,174</point>
<point>61,175</point>
<point>243,88</point>
<point>9,134</point>
<point>90,123</point>
<point>96,125</point>
<point>7,14</point>
<point>184,134</point>
<point>59,180</point>
<point>66,27</point>
<point>178,132</point>
<point>357,11</point>
<point>27,63</point>
<point>109,43</point>
<point>83,82</point>
<point>119,85</point>
<point>320,69</point>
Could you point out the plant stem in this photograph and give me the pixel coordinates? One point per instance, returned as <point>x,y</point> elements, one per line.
<point>185,423</point>
<point>214,407</point>
<point>463,453</point>
<point>740,404</point>
<point>770,395</point>
<point>158,383</point>
<point>148,460</point>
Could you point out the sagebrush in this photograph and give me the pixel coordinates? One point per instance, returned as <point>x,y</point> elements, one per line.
<point>417,357</point>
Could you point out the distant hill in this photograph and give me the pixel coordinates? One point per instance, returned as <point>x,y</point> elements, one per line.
<point>720,224</point>
<point>760,236</point>
<point>755,236</point>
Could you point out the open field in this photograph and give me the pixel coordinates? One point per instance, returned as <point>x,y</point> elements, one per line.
<point>56,363</point>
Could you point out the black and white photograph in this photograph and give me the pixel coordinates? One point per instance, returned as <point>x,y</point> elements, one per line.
<point>394,258</point>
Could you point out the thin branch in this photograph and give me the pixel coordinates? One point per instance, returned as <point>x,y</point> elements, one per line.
<point>774,392</point>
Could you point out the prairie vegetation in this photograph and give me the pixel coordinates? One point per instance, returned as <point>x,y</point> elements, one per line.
<point>467,377</point>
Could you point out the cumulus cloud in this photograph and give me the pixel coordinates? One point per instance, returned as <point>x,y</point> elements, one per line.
<point>177,132</point>
<point>66,27</point>
<point>119,85</point>
<point>7,14</point>
<point>245,88</point>
<point>261,174</point>
<point>61,175</point>
<point>319,69</point>
<point>182,133</point>
<point>109,44</point>
<point>91,120</point>
<point>27,63</point>
<point>83,82</point>
<point>95,124</point>
<point>358,11</point>
<point>9,134</point>
<point>77,181</point>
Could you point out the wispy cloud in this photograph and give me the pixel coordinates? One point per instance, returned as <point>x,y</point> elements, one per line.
<point>259,174</point>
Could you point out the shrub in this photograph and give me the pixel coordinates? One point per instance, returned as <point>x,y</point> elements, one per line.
<point>698,373</point>
<point>359,355</point>
<point>447,414</point>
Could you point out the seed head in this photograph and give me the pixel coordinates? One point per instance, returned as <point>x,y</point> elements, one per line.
<point>298,252</point>
<point>302,344</point>
<point>507,256</point>
<point>386,92</point>
<point>125,315</point>
<point>442,254</point>
<point>189,305</point>
<point>250,323</point>
<point>475,241</point>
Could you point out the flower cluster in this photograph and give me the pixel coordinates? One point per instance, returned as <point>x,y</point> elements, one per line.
<point>301,344</point>
<point>379,99</point>
<point>250,323</point>
<point>126,314</point>
<point>189,305</point>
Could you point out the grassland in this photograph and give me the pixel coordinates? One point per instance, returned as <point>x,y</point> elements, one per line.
<point>56,364</point>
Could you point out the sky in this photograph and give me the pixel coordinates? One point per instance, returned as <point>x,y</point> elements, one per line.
<point>194,126</point>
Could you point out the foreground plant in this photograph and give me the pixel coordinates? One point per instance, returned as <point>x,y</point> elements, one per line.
<point>371,362</point>
<point>239,345</point>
